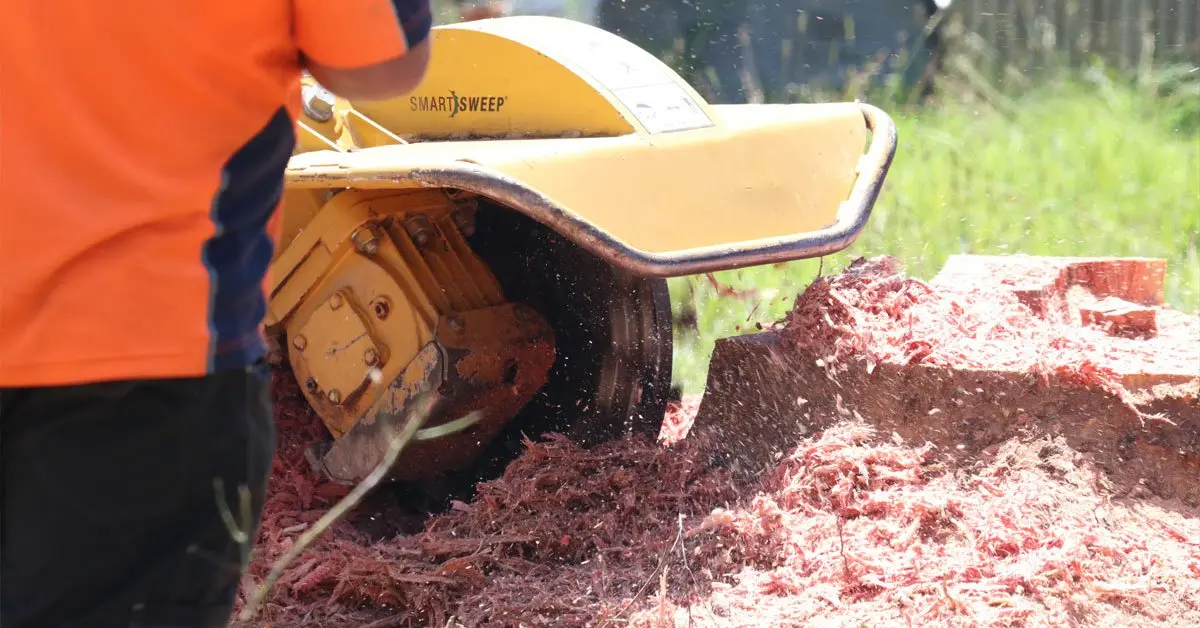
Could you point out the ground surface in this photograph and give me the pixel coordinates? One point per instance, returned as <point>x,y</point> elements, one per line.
<point>847,519</point>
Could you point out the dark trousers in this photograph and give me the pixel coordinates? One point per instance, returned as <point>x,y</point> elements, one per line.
<point>110,515</point>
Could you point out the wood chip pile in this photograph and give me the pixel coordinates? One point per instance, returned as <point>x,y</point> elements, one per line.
<point>1055,484</point>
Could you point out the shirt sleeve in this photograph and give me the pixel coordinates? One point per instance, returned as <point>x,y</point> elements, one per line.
<point>355,33</point>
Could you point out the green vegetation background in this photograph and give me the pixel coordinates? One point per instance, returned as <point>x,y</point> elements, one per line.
<point>1082,161</point>
<point>1072,167</point>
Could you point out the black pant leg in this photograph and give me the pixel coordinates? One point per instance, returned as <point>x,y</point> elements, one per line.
<point>110,516</point>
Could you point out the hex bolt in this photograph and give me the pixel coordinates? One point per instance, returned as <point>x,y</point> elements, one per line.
<point>318,103</point>
<point>318,110</point>
<point>420,230</point>
<point>335,301</point>
<point>370,356</point>
<point>300,342</point>
<point>381,308</point>
<point>366,241</point>
<point>310,385</point>
<point>335,396</point>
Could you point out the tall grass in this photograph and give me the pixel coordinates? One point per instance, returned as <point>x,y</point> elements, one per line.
<point>1082,163</point>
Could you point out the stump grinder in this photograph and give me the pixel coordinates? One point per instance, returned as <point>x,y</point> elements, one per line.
<point>501,239</point>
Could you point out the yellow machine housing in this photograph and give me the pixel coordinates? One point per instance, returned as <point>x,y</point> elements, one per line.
<point>550,127</point>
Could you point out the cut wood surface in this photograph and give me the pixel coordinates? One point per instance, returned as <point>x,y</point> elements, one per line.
<point>990,349</point>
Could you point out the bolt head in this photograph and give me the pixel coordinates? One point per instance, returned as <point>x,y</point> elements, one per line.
<point>335,396</point>
<point>300,342</point>
<point>366,241</point>
<point>310,385</point>
<point>336,301</point>
<point>381,308</point>
<point>420,230</point>
<point>318,102</point>
<point>370,356</point>
<point>456,323</point>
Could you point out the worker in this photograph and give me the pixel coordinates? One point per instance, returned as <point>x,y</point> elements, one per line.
<point>143,145</point>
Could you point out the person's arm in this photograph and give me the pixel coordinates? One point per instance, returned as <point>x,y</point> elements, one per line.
<point>364,49</point>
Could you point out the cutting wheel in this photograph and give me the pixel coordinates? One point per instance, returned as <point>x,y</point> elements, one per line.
<point>612,372</point>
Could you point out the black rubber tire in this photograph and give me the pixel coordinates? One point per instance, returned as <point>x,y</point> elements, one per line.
<point>613,332</point>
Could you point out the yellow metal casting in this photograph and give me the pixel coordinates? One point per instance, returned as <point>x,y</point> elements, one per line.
<point>572,126</point>
<point>360,286</point>
<point>628,160</point>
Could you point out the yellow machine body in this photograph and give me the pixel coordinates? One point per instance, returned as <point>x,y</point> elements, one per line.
<point>377,292</point>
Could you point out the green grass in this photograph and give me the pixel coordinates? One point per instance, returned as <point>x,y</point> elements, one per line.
<point>1069,169</point>
<point>1090,165</point>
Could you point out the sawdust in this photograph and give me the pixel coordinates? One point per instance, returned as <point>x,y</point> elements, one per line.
<point>874,313</point>
<point>966,366</point>
<point>856,530</point>
<point>565,535</point>
<point>850,528</point>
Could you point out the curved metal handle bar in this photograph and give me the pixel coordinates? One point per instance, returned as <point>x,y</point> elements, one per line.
<point>852,216</point>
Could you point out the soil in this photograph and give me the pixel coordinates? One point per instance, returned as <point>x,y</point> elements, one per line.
<point>938,453</point>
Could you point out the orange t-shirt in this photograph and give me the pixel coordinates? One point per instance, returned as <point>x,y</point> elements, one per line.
<point>142,150</point>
